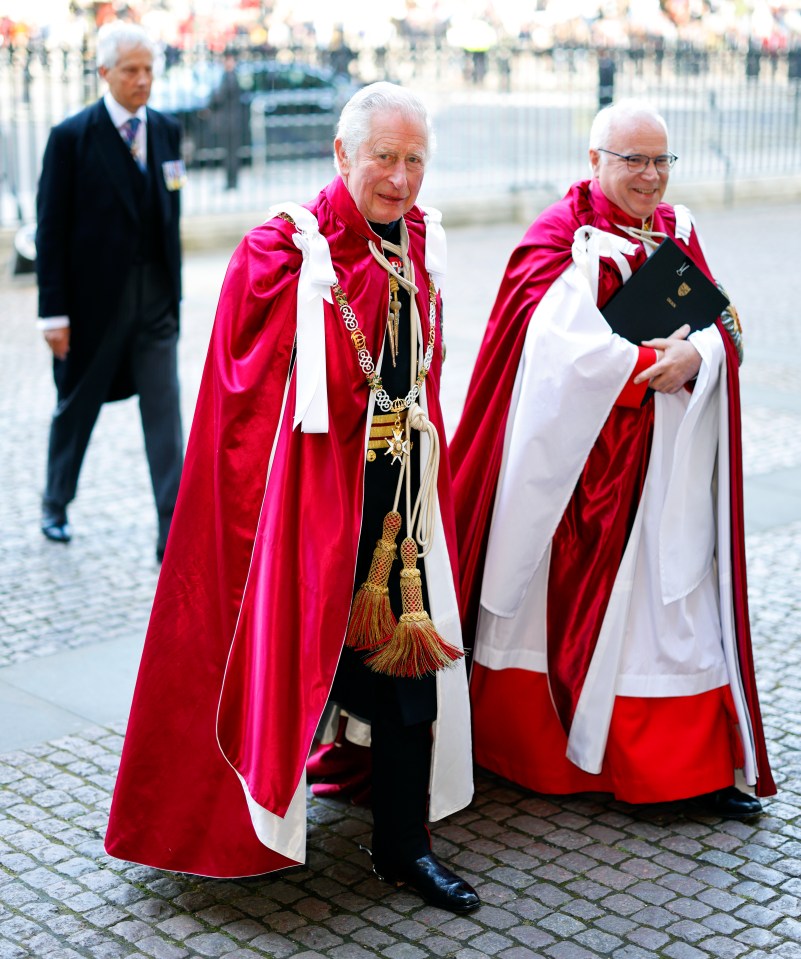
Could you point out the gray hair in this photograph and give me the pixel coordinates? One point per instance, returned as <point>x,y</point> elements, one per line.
<point>114,37</point>
<point>357,115</point>
<point>606,119</point>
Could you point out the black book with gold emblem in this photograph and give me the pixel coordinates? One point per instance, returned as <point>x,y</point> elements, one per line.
<point>667,291</point>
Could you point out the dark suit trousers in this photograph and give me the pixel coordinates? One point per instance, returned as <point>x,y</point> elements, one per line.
<point>400,713</point>
<point>401,761</point>
<point>144,340</point>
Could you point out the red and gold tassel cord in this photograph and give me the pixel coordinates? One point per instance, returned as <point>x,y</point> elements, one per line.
<point>372,621</point>
<point>416,648</point>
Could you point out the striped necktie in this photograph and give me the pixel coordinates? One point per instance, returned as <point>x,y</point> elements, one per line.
<point>128,131</point>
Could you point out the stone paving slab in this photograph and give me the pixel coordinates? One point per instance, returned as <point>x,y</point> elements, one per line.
<point>46,696</point>
<point>561,878</point>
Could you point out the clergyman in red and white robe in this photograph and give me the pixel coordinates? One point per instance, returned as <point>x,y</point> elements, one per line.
<point>601,538</point>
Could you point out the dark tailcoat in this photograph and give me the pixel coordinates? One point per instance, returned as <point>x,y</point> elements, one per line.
<point>91,233</point>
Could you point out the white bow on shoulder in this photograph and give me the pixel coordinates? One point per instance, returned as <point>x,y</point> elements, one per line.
<point>314,285</point>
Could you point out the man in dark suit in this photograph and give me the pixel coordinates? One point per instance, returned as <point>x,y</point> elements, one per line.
<point>108,266</point>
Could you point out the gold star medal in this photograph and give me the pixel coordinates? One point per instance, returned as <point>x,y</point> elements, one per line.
<point>397,444</point>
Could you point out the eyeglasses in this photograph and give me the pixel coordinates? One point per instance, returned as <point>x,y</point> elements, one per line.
<point>638,162</point>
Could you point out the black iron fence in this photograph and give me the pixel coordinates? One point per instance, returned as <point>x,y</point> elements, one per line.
<point>507,119</point>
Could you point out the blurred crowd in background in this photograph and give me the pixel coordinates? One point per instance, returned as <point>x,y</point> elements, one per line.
<point>355,36</point>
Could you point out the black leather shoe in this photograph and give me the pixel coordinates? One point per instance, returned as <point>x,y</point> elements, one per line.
<point>729,803</point>
<point>55,525</point>
<point>431,880</point>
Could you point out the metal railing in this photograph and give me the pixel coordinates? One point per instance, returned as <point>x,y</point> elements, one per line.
<point>507,120</point>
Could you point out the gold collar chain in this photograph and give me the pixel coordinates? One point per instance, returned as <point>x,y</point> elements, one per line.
<point>382,398</point>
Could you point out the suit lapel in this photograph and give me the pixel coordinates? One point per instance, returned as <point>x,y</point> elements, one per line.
<point>108,141</point>
<point>158,150</point>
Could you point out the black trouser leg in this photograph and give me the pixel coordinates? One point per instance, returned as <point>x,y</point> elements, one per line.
<point>70,430</point>
<point>77,411</point>
<point>401,770</point>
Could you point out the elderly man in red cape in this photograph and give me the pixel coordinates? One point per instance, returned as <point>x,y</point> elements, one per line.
<point>600,527</point>
<point>304,464</point>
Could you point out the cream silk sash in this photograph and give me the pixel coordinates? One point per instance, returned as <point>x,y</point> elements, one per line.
<point>590,244</point>
<point>314,285</point>
<point>436,246</point>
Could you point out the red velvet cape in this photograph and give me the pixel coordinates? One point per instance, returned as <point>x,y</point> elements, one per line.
<point>255,590</point>
<point>613,475</point>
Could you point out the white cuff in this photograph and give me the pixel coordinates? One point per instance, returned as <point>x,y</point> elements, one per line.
<point>53,323</point>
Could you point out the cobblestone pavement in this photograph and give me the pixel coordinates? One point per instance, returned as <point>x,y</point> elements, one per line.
<point>562,878</point>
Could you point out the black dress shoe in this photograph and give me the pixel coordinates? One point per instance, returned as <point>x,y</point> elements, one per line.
<point>729,803</point>
<point>433,881</point>
<point>55,525</point>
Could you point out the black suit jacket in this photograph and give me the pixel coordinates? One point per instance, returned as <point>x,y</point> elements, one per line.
<point>88,226</point>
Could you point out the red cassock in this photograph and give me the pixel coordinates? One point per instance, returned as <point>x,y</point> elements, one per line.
<point>658,747</point>
<point>254,595</point>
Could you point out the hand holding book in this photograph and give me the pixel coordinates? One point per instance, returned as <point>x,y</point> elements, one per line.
<point>678,362</point>
<point>668,298</point>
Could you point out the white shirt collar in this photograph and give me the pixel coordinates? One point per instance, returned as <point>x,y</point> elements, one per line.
<point>119,114</point>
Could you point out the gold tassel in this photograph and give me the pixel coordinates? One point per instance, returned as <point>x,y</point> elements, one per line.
<point>416,648</point>
<point>371,618</point>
